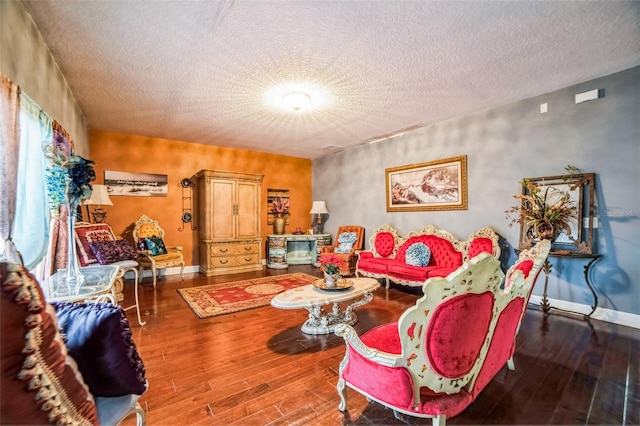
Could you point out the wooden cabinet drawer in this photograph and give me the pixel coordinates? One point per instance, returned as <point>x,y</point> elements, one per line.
<point>247,249</point>
<point>222,250</point>
<point>247,259</point>
<point>223,261</point>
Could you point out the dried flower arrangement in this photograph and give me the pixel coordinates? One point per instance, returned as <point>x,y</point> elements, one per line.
<point>280,206</point>
<point>545,211</point>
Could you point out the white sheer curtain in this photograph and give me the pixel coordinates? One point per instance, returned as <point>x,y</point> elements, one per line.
<point>9,145</point>
<point>31,223</point>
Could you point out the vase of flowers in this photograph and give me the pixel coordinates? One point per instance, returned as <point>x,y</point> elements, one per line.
<point>280,210</point>
<point>68,181</point>
<point>544,213</point>
<point>331,265</point>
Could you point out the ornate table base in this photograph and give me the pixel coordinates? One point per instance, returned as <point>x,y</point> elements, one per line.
<point>313,299</point>
<point>322,322</point>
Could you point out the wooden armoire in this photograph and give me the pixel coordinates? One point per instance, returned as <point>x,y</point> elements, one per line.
<point>228,222</point>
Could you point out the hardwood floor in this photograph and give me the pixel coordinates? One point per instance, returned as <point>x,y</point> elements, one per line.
<point>257,368</point>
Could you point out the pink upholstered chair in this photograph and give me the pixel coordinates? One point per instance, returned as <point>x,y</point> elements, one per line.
<point>444,350</point>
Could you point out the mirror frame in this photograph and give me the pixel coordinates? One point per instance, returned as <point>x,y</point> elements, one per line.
<point>581,186</point>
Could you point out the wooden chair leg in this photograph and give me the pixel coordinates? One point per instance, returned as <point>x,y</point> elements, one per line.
<point>153,272</point>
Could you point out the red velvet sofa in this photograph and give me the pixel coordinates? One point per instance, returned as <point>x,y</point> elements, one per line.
<point>388,254</point>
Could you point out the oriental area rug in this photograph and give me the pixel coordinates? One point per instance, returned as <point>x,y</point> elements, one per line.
<point>224,298</point>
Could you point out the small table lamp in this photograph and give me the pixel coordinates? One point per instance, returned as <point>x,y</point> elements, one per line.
<point>99,197</point>
<point>319,208</point>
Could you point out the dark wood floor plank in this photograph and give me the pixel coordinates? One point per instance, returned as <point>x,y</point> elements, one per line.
<point>257,368</point>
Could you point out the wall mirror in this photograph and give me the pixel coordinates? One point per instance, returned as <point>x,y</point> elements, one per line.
<point>578,237</point>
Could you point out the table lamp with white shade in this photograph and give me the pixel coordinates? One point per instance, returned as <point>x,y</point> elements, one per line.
<point>319,208</point>
<point>99,197</point>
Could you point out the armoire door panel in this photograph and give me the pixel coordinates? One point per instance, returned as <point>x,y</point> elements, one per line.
<point>223,217</point>
<point>247,218</point>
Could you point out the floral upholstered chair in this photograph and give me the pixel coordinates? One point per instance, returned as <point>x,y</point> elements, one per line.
<point>153,253</point>
<point>437,358</point>
<point>348,243</point>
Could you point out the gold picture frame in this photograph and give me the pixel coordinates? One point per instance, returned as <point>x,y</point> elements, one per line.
<point>435,185</point>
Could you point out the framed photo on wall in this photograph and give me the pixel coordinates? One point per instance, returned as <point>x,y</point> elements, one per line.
<point>136,184</point>
<point>436,185</point>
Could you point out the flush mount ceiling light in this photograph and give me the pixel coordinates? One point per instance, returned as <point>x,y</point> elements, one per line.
<point>296,100</point>
<point>296,97</point>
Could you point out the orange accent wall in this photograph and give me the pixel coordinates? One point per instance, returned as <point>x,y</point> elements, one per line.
<point>179,159</point>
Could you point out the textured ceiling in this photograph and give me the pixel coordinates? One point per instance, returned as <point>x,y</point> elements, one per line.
<point>198,71</point>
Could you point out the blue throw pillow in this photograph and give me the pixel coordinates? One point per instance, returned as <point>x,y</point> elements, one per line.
<point>345,242</point>
<point>418,254</point>
<point>155,245</point>
<point>99,339</point>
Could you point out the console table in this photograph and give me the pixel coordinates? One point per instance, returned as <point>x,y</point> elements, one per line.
<point>295,249</point>
<point>547,267</point>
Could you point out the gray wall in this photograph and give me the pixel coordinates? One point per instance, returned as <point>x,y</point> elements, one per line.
<point>26,59</point>
<point>503,145</point>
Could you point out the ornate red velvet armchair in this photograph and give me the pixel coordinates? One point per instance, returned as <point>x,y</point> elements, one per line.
<point>349,256</point>
<point>444,350</point>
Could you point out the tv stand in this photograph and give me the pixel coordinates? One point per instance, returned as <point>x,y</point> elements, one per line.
<point>295,249</point>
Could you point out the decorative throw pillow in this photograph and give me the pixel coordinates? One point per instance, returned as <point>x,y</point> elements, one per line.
<point>86,234</point>
<point>100,340</point>
<point>155,245</point>
<point>41,383</point>
<point>418,254</point>
<point>113,251</point>
<point>345,242</point>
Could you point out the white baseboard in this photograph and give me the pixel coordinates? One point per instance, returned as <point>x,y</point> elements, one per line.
<point>602,314</point>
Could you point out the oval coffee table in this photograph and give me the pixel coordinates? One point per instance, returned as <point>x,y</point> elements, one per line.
<point>313,299</point>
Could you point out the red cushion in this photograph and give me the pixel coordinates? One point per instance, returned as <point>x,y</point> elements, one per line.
<point>525,266</point>
<point>415,273</point>
<point>452,349</point>
<point>384,337</point>
<point>385,242</point>
<point>40,382</point>
<point>375,265</point>
<point>480,245</point>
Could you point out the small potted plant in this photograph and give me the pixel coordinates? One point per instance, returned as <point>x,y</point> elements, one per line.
<point>331,264</point>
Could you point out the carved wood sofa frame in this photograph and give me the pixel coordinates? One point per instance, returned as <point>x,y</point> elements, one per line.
<point>385,258</point>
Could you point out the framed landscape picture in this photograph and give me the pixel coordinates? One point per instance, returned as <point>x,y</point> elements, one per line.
<point>436,185</point>
<point>136,184</point>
